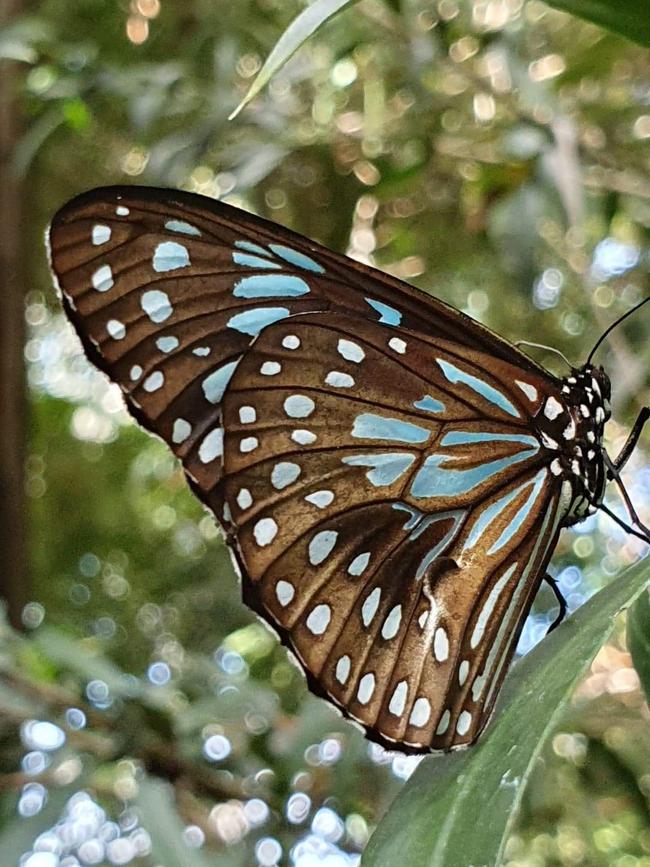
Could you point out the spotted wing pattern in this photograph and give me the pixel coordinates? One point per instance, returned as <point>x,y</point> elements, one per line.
<point>382,514</point>
<point>368,450</point>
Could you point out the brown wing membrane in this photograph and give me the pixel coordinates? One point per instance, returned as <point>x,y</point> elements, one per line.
<point>393,602</point>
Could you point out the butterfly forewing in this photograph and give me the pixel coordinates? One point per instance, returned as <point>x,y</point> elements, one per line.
<point>368,449</point>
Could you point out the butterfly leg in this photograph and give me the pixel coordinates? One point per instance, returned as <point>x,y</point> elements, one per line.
<point>552,583</point>
<point>632,440</point>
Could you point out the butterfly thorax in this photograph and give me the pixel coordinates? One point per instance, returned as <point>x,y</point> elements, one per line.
<point>573,424</point>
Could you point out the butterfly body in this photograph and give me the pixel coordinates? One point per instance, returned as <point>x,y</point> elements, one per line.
<point>390,475</point>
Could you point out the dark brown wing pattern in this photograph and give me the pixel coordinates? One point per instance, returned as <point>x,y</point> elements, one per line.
<point>368,449</point>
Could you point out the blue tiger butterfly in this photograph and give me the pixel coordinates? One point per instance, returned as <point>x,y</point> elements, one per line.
<point>390,475</point>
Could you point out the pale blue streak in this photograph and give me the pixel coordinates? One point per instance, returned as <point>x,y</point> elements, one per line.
<point>295,258</point>
<point>182,226</point>
<point>460,438</point>
<point>377,427</point>
<point>429,404</point>
<point>216,383</point>
<point>389,315</point>
<point>270,286</point>
<point>454,374</point>
<point>253,321</point>
<point>386,468</point>
<point>252,261</point>
<point>434,480</point>
<point>489,514</point>
<point>522,514</point>
<point>252,248</point>
<point>447,539</point>
<point>169,256</point>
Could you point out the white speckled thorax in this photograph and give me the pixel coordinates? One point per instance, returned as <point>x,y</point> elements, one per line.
<point>572,424</point>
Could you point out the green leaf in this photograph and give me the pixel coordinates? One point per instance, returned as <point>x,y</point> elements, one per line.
<point>631,18</point>
<point>300,29</point>
<point>638,639</point>
<point>458,809</point>
<point>158,814</point>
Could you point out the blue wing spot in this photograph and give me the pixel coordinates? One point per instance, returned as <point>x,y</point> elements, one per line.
<point>295,258</point>
<point>460,438</point>
<point>251,261</point>
<point>389,315</point>
<point>522,513</point>
<point>377,427</point>
<point>252,248</point>
<point>169,256</point>
<point>454,375</point>
<point>429,404</point>
<point>270,286</point>
<point>253,321</point>
<point>386,468</point>
<point>434,480</point>
<point>182,226</point>
<point>214,385</point>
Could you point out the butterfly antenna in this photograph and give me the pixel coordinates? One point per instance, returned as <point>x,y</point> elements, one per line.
<point>547,348</point>
<point>614,324</point>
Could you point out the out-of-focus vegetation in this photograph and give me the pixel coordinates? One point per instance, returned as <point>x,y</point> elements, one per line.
<point>494,153</point>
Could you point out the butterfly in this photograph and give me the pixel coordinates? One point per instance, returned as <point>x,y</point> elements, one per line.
<point>390,475</point>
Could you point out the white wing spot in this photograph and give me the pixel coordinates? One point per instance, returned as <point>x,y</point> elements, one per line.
<point>422,619</point>
<point>569,431</point>
<point>122,211</point>
<point>102,279</point>
<point>321,546</point>
<point>167,344</point>
<point>156,305</point>
<point>303,437</point>
<point>319,619</point>
<point>299,406</point>
<point>464,722</point>
<point>529,390</point>
<point>391,623</point>
<point>284,474</point>
<point>181,430</point>
<point>463,671</point>
<point>370,606</point>
<point>248,444</point>
<point>553,408</point>
<point>320,499</point>
<point>443,725</point>
<point>359,564</point>
<point>116,329</point>
<point>441,645</point>
<point>366,688</point>
<point>270,368</point>
<point>212,446</point>
<point>247,414</point>
<point>244,499</point>
<point>398,698</point>
<point>291,342</point>
<point>350,351</point>
<point>285,592</point>
<point>154,381</point>
<point>343,669</point>
<point>135,373</point>
<point>101,234</point>
<point>556,467</point>
<point>397,344</point>
<point>169,256</point>
<point>339,380</point>
<point>420,713</point>
<point>201,351</point>
<point>265,531</point>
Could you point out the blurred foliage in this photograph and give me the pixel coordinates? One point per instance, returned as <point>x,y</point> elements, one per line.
<point>492,152</point>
